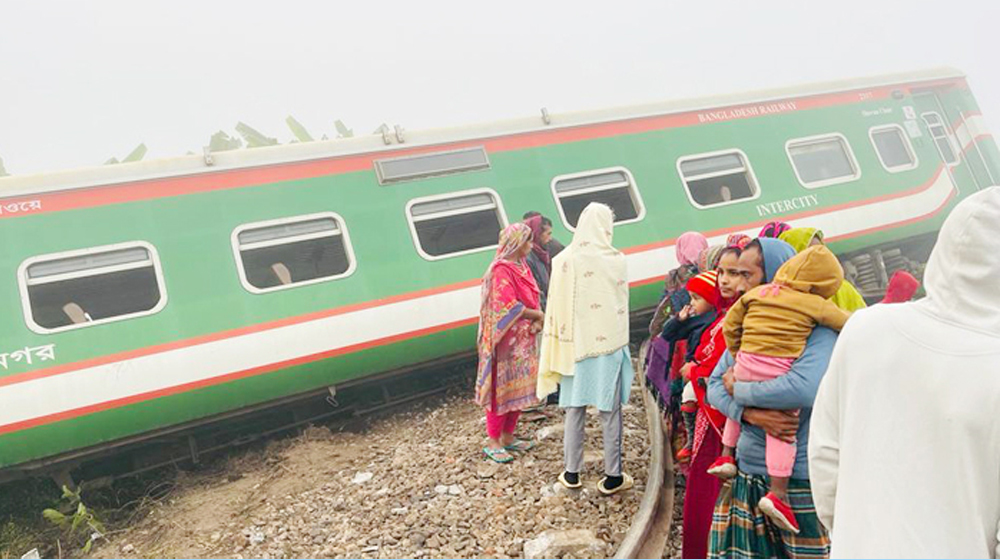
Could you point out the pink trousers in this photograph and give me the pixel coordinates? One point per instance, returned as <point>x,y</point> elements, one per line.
<point>497,424</point>
<point>779,455</point>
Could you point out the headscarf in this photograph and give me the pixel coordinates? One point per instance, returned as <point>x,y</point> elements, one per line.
<point>901,287</point>
<point>689,247</point>
<point>708,259</point>
<point>774,229</point>
<point>847,297</point>
<point>502,303</point>
<point>512,238</point>
<point>540,251</point>
<point>587,312</point>
<point>775,253</point>
<point>738,240</point>
<point>800,238</point>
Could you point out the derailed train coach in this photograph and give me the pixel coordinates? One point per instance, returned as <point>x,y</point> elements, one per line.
<point>148,296</point>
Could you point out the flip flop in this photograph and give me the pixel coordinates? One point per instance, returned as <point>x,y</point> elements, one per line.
<point>498,455</point>
<point>520,445</point>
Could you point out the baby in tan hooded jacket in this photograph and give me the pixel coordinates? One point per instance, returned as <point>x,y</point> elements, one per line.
<point>767,330</point>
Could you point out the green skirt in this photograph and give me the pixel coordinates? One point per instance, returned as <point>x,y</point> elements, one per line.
<point>741,530</point>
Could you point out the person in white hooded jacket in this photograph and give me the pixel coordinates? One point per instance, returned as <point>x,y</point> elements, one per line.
<point>904,447</point>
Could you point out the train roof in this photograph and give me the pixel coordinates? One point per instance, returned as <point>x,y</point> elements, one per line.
<point>17,185</point>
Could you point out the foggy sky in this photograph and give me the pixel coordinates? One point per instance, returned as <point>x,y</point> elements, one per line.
<point>81,82</point>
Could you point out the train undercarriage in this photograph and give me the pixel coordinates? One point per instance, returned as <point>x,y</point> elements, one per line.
<point>870,269</point>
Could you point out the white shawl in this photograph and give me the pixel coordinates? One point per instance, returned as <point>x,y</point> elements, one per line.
<point>587,312</point>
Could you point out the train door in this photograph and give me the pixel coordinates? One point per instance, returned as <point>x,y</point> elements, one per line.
<point>951,148</point>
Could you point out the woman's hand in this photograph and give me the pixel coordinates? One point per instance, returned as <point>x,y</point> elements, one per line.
<point>782,424</point>
<point>537,319</point>
<point>534,315</point>
<point>729,380</point>
<point>686,371</point>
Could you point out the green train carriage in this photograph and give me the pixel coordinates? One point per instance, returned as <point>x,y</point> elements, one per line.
<point>147,296</point>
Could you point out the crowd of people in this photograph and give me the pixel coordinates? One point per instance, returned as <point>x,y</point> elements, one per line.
<point>803,423</point>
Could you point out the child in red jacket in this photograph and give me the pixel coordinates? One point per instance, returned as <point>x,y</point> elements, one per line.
<point>688,325</point>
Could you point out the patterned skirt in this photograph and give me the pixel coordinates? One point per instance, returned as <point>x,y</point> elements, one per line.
<point>741,530</point>
<point>516,373</point>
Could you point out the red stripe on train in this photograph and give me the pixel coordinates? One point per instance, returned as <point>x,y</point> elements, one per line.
<point>213,337</point>
<point>805,214</point>
<point>274,173</point>
<point>202,383</point>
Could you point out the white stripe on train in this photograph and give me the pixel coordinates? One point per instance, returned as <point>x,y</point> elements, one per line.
<point>121,380</point>
<point>969,128</point>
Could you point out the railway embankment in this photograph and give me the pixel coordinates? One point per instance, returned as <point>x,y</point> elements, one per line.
<point>412,484</point>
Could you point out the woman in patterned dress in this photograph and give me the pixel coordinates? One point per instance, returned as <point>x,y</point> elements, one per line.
<point>509,321</point>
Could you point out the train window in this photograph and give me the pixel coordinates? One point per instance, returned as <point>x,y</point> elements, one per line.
<point>292,252</point>
<point>456,224</point>
<point>78,289</point>
<point>614,187</point>
<point>421,166</point>
<point>942,138</point>
<point>893,148</point>
<point>718,178</point>
<point>821,161</point>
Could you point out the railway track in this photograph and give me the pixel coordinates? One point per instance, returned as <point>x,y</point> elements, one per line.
<point>650,525</point>
<point>650,530</point>
<point>647,536</point>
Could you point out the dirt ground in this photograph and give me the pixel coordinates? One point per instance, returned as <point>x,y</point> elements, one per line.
<point>414,484</point>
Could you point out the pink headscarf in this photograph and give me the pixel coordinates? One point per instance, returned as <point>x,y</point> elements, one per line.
<point>738,240</point>
<point>512,238</point>
<point>689,246</point>
<point>774,229</point>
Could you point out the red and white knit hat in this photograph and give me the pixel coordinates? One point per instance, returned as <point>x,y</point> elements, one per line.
<point>704,285</point>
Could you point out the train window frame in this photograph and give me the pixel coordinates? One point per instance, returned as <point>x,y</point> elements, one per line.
<point>344,233</point>
<point>384,179</point>
<point>819,138</point>
<point>906,143</point>
<point>411,222</point>
<point>747,169</point>
<point>23,283</point>
<point>633,190</point>
<point>948,134</point>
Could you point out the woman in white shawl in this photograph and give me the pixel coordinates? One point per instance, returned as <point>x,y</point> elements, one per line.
<point>585,343</point>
